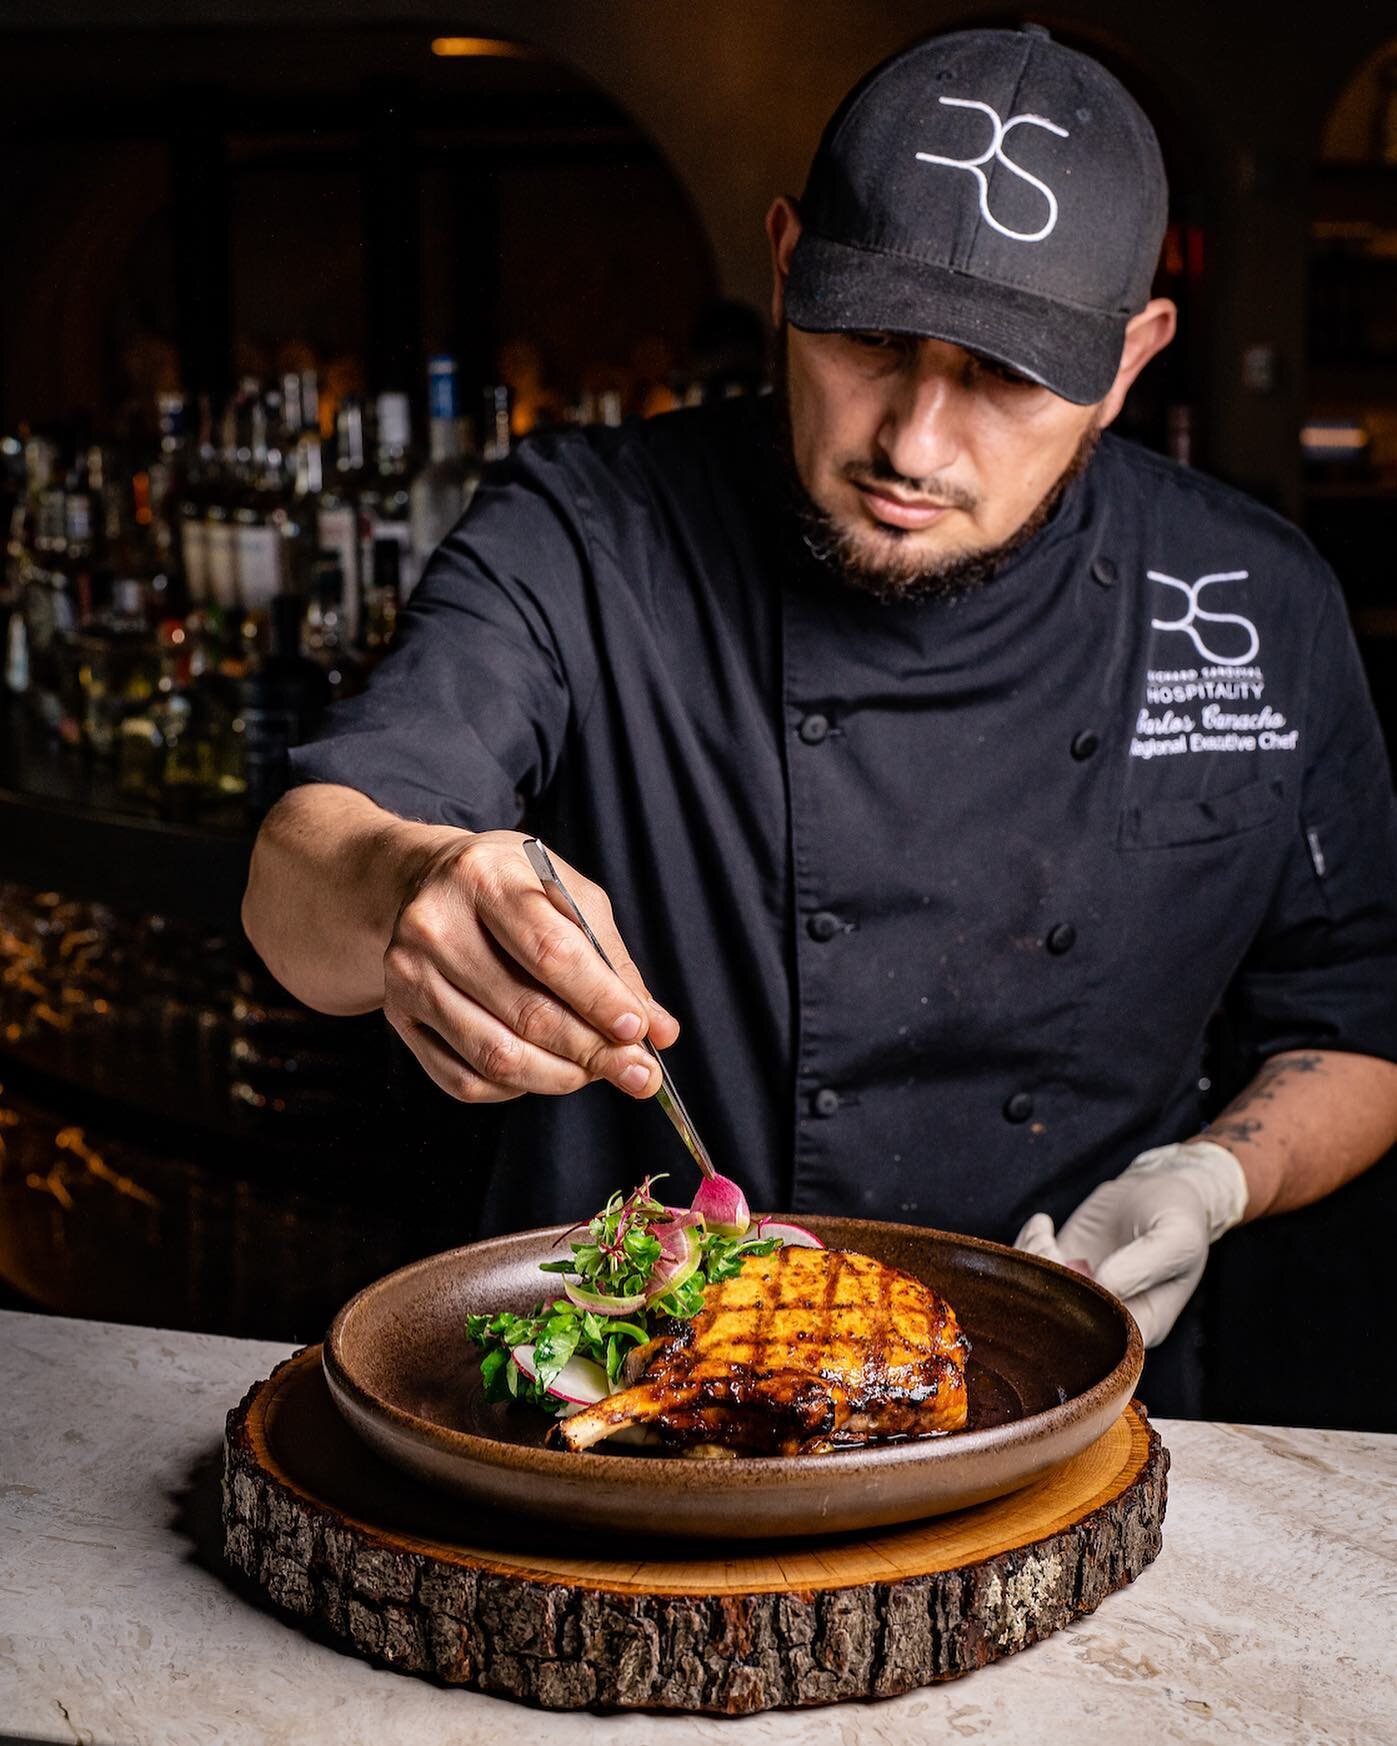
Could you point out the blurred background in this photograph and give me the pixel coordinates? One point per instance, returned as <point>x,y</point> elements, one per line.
<point>278,277</point>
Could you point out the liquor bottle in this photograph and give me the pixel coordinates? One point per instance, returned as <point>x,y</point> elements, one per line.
<point>153,745</point>
<point>258,512</point>
<point>73,603</point>
<point>97,476</point>
<point>300,526</point>
<point>22,559</point>
<point>38,464</point>
<point>384,502</point>
<point>444,487</point>
<point>136,546</point>
<point>191,511</point>
<point>336,519</point>
<point>17,652</point>
<point>310,401</point>
<point>171,467</point>
<point>279,702</point>
<point>220,547</point>
<point>292,410</point>
<point>140,748</point>
<point>383,596</point>
<point>326,642</point>
<point>495,426</point>
<point>44,600</point>
<point>78,557</point>
<point>114,648</point>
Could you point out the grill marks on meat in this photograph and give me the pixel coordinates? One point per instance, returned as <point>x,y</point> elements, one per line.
<point>804,1350</point>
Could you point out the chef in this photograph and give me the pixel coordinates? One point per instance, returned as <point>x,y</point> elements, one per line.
<point>944,762</point>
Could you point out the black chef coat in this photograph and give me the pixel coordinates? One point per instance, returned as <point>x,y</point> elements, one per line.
<point>943,892</point>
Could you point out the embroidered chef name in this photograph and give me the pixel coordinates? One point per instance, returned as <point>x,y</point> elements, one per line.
<point>1209,726</point>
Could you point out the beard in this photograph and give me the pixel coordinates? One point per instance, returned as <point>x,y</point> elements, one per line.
<point>839,551</point>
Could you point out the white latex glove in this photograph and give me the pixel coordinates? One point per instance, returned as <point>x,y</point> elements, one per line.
<point>1145,1235</point>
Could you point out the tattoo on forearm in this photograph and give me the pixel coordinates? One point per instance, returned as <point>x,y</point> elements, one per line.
<point>1234,1128</point>
<point>1241,1120</point>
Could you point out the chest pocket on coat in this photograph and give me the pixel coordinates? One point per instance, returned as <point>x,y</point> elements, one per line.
<point>1172,823</point>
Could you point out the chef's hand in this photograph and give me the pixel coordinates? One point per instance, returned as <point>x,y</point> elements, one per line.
<point>497,994</point>
<point>1145,1235</point>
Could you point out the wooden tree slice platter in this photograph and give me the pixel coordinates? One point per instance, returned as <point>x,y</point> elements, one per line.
<point>335,1537</point>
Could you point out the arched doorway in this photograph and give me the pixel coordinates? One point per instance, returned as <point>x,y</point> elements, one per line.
<point>237,195</point>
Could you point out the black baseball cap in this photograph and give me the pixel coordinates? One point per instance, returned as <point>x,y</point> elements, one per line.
<point>992,188</point>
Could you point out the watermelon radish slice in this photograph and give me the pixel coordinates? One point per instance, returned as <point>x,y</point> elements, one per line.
<point>580,1382</point>
<point>679,1261</point>
<point>792,1236</point>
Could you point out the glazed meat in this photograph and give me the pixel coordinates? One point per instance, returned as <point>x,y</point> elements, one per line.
<point>804,1350</point>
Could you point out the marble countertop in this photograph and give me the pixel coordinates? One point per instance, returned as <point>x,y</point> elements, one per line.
<point>1269,1617</point>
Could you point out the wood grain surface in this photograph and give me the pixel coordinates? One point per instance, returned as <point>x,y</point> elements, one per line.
<point>411,1579</point>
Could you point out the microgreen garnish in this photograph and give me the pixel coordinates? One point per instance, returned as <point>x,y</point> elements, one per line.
<point>617,1258</point>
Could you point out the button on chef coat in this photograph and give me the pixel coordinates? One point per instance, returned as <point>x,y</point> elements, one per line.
<point>944,892</point>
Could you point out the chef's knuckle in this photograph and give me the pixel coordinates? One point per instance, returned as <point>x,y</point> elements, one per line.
<point>402,968</point>
<point>472,863</point>
<point>628,971</point>
<point>488,884</point>
<point>537,1018</point>
<point>499,1060</point>
<point>421,926</point>
<point>468,1087</point>
<point>554,953</point>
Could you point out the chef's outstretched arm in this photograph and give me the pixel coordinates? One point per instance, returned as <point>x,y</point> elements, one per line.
<point>1309,1121</point>
<point>451,934</point>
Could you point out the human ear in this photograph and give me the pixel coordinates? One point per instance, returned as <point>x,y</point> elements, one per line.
<point>782,232</point>
<point>1146,334</point>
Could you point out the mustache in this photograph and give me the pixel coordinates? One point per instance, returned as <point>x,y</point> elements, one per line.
<point>879,471</point>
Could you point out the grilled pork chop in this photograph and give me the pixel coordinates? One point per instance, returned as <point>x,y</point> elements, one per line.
<point>803,1350</point>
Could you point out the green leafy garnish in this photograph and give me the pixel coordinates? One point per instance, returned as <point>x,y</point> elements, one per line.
<point>615,1258</point>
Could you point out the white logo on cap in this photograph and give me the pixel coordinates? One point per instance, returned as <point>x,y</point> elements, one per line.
<point>1191,592</point>
<point>995,150</point>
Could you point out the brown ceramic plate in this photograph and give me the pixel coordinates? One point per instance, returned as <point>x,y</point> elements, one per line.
<point>1054,1360</point>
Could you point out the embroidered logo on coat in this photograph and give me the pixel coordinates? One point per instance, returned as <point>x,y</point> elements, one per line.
<point>1194,614</point>
<point>1215,706</point>
<point>995,150</point>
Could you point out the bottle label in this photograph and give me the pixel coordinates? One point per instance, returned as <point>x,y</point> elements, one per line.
<point>260,566</point>
<point>194,549</point>
<point>394,426</point>
<point>77,519</point>
<point>221,563</point>
<point>443,399</point>
<point>400,531</point>
<point>336,530</point>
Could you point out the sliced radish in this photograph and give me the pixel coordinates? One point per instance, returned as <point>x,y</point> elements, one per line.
<point>598,1302</point>
<point>669,1273</point>
<point>671,1233</point>
<point>792,1236</point>
<point>580,1381</point>
<point>723,1206</point>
